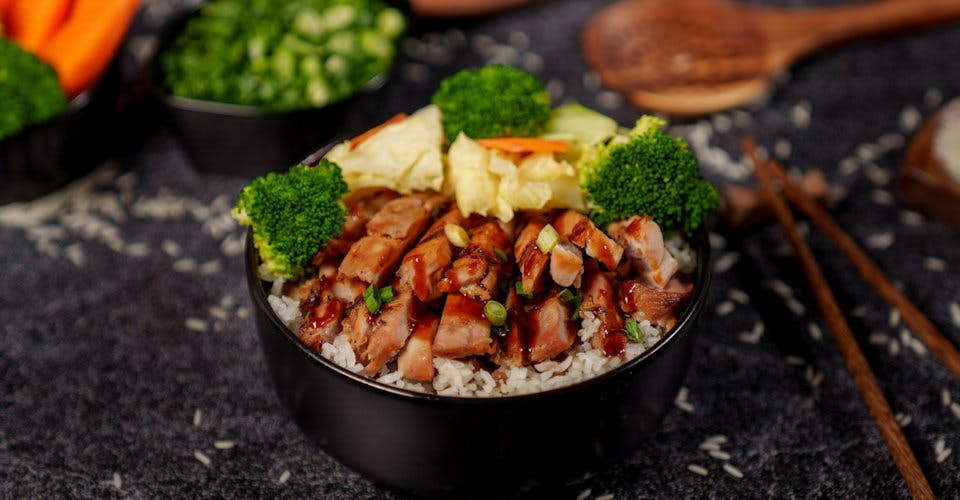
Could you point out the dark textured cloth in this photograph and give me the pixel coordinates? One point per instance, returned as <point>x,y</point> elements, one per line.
<point>127,343</point>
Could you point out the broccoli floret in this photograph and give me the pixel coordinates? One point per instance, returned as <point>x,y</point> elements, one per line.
<point>293,215</point>
<point>29,90</point>
<point>647,172</point>
<point>492,101</point>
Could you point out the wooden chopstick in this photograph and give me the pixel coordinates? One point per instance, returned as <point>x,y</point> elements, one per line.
<point>856,362</point>
<point>938,344</point>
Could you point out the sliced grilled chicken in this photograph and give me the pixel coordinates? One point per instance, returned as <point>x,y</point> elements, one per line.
<point>362,205</point>
<point>513,349</point>
<point>477,271</point>
<point>566,264</point>
<point>390,233</point>
<point>644,301</point>
<point>321,313</point>
<point>415,361</point>
<point>389,331</point>
<point>579,230</point>
<point>551,331</point>
<point>356,325</point>
<point>463,330</point>
<point>643,241</point>
<point>530,260</point>
<point>422,269</point>
<point>600,299</point>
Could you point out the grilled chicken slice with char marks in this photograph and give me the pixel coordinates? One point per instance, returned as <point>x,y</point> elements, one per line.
<point>566,264</point>
<point>600,299</point>
<point>415,361</point>
<point>551,331</point>
<point>463,330</point>
<point>530,260</point>
<point>644,301</point>
<point>579,230</point>
<point>476,272</point>
<point>390,233</point>
<point>389,331</point>
<point>643,241</point>
<point>422,269</point>
<point>356,325</point>
<point>321,313</point>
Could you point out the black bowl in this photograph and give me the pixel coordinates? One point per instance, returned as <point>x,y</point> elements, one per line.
<point>247,141</point>
<point>45,156</point>
<point>435,445</point>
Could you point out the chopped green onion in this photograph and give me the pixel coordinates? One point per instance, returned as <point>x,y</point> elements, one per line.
<point>495,312</point>
<point>521,292</point>
<point>500,254</point>
<point>371,298</point>
<point>547,239</point>
<point>566,295</point>
<point>634,333</point>
<point>386,294</point>
<point>457,235</point>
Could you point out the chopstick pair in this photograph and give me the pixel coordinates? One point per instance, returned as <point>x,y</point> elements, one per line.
<point>768,173</point>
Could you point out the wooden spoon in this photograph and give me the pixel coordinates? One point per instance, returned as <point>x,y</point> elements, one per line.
<point>692,57</point>
<point>925,183</point>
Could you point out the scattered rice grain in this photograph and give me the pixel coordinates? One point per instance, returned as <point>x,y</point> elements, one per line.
<point>741,118</point>
<point>137,250</point>
<point>945,397</point>
<point>782,149</point>
<point>878,339</point>
<point>943,455</point>
<point>796,306</point>
<point>201,457</point>
<point>532,62</point>
<point>909,119</point>
<point>609,100</point>
<point>117,480</point>
<point>800,114</point>
<point>725,262</point>
<point>211,267</point>
<point>795,360</point>
<point>197,417</point>
<point>719,454</point>
<point>954,308</point>
<point>880,241</point>
<point>608,496</point>
<point>893,347</point>
<point>911,218</point>
<point>185,265</point>
<point>707,446</point>
<point>696,469</point>
<point>75,254</point>
<point>894,317</point>
<point>932,97</point>
<point>935,264</point>
<point>779,287</point>
<point>171,248</point>
<point>859,311</point>
<point>733,471</point>
<point>881,197</point>
<point>817,380</point>
<point>724,308</point>
<point>815,332</point>
<point>903,419</point>
<point>939,446</point>
<point>955,408</point>
<point>718,439</point>
<point>416,72</point>
<point>196,324</point>
<point>848,166</point>
<point>224,444</point>
<point>243,312</point>
<point>585,494</point>
<point>877,175</point>
<point>722,122</point>
<point>284,477</point>
<point>891,141</point>
<point>219,312</point>
<point>555,88</point>
<point>738,295</point>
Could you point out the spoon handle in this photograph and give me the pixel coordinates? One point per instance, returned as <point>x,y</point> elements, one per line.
<point>794,33</point>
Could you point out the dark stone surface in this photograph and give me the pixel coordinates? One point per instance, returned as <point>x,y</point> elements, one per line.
<point>102,366</point>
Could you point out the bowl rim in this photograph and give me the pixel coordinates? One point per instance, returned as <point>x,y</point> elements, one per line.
<point>685,323</point>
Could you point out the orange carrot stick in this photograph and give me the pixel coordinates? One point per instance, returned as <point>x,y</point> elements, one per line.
<point>525,145</point>
<point>83,48</point>
<point>366,135</point>
<point>32,23</point>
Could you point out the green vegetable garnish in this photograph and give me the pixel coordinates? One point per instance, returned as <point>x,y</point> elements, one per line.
<point>371,298</point>
<point>293,215</point>
<point>633,331</point>
<point>495,312</point>
<point>30,92</point>
<point>521,292</point>
<point>386,294</point>
<point>569,296</point>
<point>492,101</point>
<point>650,173</point>
<point>547,239</point>
<point>500,254</point>
<point>282,55</point>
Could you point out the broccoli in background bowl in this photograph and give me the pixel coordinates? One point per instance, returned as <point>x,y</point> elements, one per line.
<point>29,90</point>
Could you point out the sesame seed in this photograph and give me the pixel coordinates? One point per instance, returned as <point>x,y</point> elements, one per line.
<point>894,318</point>
<point>893,347</point>
<point>877,175</point>
<point>733,471</point>
<point>955,408</point>
<point>117,480</point>
<point>196,324</point>
<point>211,267</point>
<point>724,308</point>
<point>945,397</point>
<point>185,265</point>
<point>955,313</point>
<point>197,417</point>
<point>243,312</point>
<point>284,477</point>
<point>878,339</point>
<point>796,306</point>
<point>800,114</point>
<point>848,166</point>
<point>201,457</point>
<point>696,469</point>
<point>725,262</point>
<point>880,241</point>
<point>224,444</point>
<point>137,250</point>
<point>171,248</point>
<point>881,197</point>
<point>779,287</point>
<point>219,312</point>
<point>719,454</point>
<point>911,218</point>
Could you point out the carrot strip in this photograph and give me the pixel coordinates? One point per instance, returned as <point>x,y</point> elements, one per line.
<point>32,23</point>
<point>366,135</point>
<point>83,48</point>
<point>525,145</point>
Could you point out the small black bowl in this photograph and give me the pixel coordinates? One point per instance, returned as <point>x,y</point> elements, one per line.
<point>247,141</point>
<point>436,445</point>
